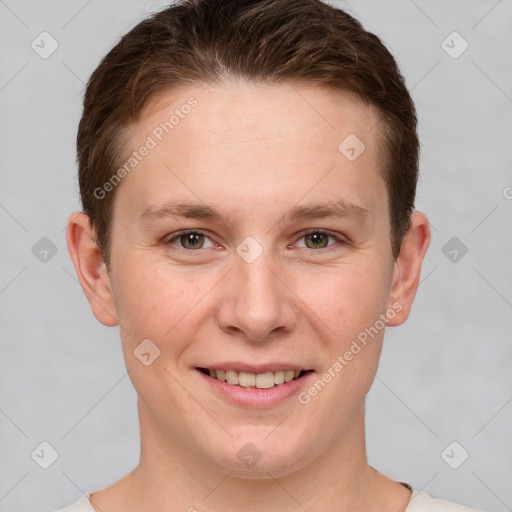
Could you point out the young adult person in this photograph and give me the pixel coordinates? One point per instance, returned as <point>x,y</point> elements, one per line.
<point>247,172</point>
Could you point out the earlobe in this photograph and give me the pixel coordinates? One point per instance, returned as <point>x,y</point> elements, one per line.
<point>90,268</point>
<point>407,269</point>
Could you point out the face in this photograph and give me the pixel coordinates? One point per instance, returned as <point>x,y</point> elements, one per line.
<point>249,243</point>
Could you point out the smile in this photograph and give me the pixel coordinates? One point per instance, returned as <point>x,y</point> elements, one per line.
<point>244,379</point>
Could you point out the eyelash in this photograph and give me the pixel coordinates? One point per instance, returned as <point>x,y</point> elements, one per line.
<point>339,241</point>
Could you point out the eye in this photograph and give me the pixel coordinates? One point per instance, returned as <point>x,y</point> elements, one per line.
<point>193,240</point>
<point>190,239</point>
<point>320,239</point>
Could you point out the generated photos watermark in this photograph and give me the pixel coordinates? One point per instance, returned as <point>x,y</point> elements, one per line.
<point>151,142</point>
<point>344,359</point>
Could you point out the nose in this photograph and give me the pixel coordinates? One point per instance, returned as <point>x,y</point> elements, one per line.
<point>256,302</point>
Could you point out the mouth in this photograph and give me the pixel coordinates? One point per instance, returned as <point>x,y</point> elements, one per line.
<point>243,379</point>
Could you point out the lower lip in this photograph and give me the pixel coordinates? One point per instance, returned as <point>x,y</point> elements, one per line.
<point>254,396</point>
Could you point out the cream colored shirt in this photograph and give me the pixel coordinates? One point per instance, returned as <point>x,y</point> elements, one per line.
<point>420,502</point>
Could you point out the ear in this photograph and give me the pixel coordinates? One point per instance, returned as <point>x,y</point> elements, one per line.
<point>407,269</point>
<point>90,268</point>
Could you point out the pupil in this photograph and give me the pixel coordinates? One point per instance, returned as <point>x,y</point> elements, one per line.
<point>318,239</point>
<point>192,240</point>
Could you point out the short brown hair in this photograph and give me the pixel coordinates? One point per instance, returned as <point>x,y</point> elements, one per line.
<point>271,41</point>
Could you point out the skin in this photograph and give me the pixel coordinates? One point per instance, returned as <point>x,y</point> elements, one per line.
<point>254,152</point>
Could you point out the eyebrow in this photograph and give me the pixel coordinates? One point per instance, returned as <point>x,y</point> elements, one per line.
<point>183,209</point>
<point>335,209</point>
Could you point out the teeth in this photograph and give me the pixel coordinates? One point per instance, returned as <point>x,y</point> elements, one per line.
<point>265,380</point>
<point>246,380</point>
<point>250,380</point>
<point>232,377</point>
<point>279,377</point>
<point>288,375</point>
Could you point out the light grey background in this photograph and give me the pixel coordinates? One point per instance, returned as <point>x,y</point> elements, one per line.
<point>445,375</point>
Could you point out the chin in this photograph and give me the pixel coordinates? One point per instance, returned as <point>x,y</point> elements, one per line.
<point>256,452</point>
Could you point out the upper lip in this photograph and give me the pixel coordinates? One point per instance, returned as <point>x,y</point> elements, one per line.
<point>254,368</point>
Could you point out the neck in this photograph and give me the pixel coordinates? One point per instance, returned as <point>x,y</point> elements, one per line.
<point>170,476</point>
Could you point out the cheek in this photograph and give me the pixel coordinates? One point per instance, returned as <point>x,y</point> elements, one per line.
<point>347,298</point>
<point>160,302</point>
<point>161,306</point>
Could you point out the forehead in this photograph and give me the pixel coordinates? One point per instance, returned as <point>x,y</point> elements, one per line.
<point>239,111</point>
<point>258,143</point>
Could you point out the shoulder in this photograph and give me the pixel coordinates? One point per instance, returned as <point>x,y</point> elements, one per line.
<point>82,505</point>
<point>423,502</point>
